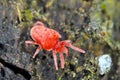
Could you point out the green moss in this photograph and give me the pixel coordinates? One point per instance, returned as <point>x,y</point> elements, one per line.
<point>27,15</point>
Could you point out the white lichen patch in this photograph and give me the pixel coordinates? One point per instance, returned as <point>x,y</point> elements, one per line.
<point>104,63</point>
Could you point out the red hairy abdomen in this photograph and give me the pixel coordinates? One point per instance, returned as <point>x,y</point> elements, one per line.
<point>46,37</point>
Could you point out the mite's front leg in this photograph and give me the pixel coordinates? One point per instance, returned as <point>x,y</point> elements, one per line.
<point>30,42</point>
<point>36,52</point>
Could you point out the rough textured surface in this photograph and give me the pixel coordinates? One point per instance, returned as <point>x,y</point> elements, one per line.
<point>90,24</point>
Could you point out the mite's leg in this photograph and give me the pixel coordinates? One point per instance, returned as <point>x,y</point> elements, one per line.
<point>65,50</point>
<point>36,52</point>
<point>55,60</point>
<point>68,44</point>
<point>62,60</point>
<point>77,49</point>
<point>30,42</point>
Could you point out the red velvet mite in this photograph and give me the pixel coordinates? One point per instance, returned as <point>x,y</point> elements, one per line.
<point>48,39</point>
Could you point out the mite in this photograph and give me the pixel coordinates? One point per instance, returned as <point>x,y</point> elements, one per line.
<point>48,39</point>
